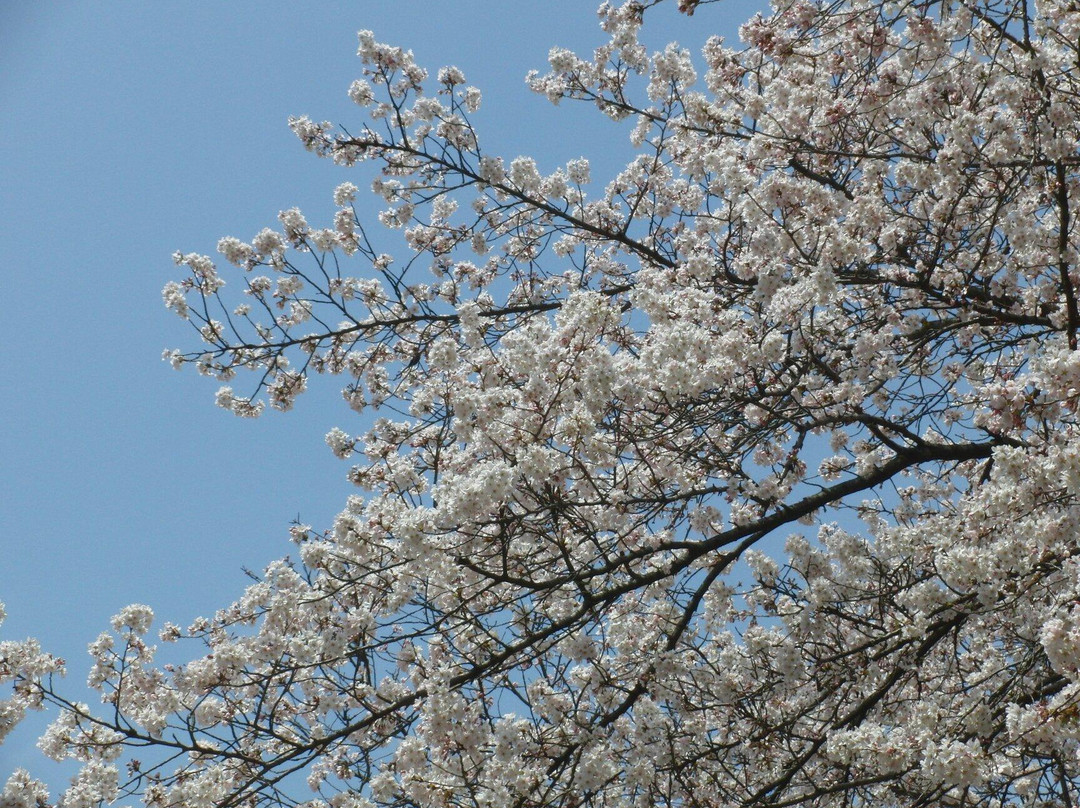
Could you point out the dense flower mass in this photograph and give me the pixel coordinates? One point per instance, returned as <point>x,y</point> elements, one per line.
<point>749,478</point>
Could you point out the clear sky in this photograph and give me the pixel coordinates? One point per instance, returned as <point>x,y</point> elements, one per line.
<point>129,131</point>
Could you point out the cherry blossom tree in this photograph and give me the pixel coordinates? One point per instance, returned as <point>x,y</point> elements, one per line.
<point>748,478</point>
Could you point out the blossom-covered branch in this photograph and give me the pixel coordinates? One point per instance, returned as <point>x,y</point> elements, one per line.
<point>747,478</point>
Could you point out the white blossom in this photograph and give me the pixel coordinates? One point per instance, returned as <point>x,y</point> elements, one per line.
<point>748,474</point>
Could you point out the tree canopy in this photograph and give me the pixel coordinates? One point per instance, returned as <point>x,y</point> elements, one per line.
<point>746,477</point>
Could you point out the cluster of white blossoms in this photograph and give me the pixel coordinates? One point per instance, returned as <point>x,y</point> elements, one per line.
<point>748,478</point>
<point>23,669</point>
<point>22,664</point>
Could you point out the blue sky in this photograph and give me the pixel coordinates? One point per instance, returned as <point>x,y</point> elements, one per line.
<point>127,132</point>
